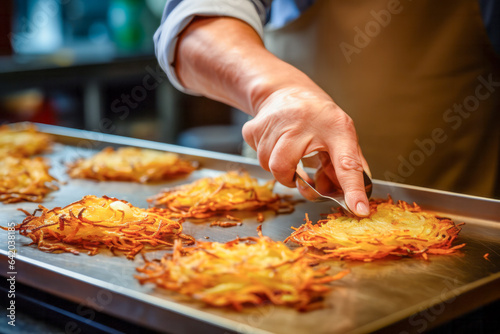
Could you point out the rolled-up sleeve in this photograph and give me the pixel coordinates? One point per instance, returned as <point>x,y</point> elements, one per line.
<point>179,13</point>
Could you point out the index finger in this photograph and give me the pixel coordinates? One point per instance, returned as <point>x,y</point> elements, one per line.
<point>348,165</point>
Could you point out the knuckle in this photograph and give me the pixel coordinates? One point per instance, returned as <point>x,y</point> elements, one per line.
<point>344,121</point>
<point>348,163</point>
<point>247,130</point>
<point>282,172</point>
<point>263,159</point>
<point>279,167</point>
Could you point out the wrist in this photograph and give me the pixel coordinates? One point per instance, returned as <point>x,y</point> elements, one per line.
<point>275,77</point>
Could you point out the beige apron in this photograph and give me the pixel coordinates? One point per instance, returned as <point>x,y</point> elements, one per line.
<point>418,78</point>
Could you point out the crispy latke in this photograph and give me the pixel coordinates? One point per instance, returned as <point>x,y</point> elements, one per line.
<point>94,222</point>
<point>391,229</point>
<point>23,141</point>
<point>130,164</point>
<point>24,179</point>
<point>213,196</point>
<point>245,271</point>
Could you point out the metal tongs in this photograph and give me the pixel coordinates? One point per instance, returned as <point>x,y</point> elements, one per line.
<point>338,197</point>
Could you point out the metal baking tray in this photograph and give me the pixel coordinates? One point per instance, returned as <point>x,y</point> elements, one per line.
<point>406,295</point>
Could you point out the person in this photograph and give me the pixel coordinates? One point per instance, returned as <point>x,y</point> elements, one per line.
<point>419,80</point>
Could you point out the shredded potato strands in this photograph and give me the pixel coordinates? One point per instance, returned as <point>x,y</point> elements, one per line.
<point>23,141</point>
<point>391,229</point>
<point>131,164</point>
<point>246,271</point>
<point>93,222</point>
<point>209,197</point>
<point>24,179</point>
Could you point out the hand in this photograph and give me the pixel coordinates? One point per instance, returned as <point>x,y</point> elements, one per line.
<point>292,115</point>
<point>293,122</point>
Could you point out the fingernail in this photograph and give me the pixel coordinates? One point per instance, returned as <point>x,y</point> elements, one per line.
<point>362,209</point>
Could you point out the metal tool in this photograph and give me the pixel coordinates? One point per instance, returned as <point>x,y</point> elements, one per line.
<point>338,197</point>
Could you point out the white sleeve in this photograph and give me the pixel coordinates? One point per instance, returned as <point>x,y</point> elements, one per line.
<point>175,20</point>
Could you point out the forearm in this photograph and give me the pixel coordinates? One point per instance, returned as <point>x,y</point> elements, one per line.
<point>224,59</point>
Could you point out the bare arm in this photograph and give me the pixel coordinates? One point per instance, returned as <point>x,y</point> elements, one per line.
<point>225,59</point>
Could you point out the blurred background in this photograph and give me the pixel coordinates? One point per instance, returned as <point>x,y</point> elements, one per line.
<point>89,64</point>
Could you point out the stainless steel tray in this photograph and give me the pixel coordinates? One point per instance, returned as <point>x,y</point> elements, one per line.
<point>409,295</point>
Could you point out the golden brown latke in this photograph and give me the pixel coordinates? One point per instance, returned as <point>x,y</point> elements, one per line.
<point>391,229</point>
<point>25,179</point>
<point>130,164</point>
<point>95,222</point>
<point>242,272</point>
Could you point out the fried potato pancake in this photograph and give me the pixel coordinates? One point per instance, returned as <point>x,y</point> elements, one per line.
<point>391,229</point>
<point>25,179</point>
<point>242,272</point>
<point>23,141</point>
<point>130,164</point>
<point>95,222</point>
<point>212,196</point>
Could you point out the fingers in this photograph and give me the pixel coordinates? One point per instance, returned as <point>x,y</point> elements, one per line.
<point>327,171</point>
<point>303,189</point>
<point>324,184</point>
<point>328,182</point>
<point>278,152</point>
<point>283,160</point>
<point>249,135</point>
<point>282,133</point>
<point>349,170</point>
<point>304,175</point>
